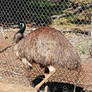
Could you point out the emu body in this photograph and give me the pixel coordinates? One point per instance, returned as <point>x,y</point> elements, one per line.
<point>47,46</point>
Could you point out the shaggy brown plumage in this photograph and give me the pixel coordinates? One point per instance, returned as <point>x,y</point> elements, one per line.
<point>47,46</point>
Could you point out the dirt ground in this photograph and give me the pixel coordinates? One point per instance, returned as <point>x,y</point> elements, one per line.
<point>14,72</point>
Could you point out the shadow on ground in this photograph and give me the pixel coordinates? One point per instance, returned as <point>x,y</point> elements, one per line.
<point>56,86</point>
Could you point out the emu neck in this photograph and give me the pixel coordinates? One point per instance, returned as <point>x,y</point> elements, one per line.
<point>22,29</point>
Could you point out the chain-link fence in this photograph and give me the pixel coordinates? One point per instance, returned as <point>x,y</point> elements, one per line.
<point>44,12</point>
<point>66,15</point>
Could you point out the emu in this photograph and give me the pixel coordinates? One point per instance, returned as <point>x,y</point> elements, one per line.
<point>46,46</point>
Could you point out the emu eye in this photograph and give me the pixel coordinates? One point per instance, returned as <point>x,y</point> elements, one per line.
<point>22,24</point>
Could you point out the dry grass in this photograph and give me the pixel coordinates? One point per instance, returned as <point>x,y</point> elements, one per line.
<point>82,1</point>
<point>71,26</point>
<point>7,87</point>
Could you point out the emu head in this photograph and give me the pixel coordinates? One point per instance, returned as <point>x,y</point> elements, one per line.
<point>20,34</point>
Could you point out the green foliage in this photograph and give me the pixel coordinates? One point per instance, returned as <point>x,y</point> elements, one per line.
<point>41,11</point>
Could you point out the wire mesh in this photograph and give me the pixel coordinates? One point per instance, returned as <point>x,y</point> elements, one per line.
<point>44,12</point>
<point>12,70</point>
<point>62,14</point>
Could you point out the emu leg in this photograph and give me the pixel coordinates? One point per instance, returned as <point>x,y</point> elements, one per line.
<point>46,89</point>
<point>24,60</point>
<point>51,72</point>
